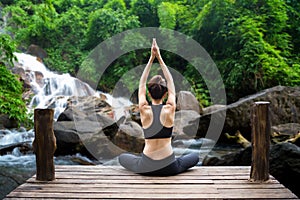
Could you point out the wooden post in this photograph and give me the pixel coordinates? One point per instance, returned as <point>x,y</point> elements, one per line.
<point>44,144</point>
<point>261,128</point>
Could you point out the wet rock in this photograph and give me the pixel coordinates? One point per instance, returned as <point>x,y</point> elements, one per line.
<point>187,101</point>
<point>70,113</point>
<point>182,119</point>
<point>240,158</point>
<point>23,77</point>
<point>95,133</point>
<point>212,108</point>
<point>86,127</point>
<point>287,129</point>
<point>67,139</point>
<point>130,137</point>
<point>284,108</point>
<point>24,147</point>
<point>134,112</point>
<point>11,177</point>
<point>37,51</point>
<point>83,106</point>
<point>6,122</point>
<point>285,165</point>
<point>71,135</point>
<point>39,78</point>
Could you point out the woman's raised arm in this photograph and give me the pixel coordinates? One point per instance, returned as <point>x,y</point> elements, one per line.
<point>143,80</point>
<point>170,83</point>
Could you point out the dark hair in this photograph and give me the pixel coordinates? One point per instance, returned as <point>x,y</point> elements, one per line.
<point>157,87</point>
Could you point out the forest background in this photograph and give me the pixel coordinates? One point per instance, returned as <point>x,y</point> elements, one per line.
<point>254,43</point>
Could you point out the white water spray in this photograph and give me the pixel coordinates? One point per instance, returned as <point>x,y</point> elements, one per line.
<point>51,90</point>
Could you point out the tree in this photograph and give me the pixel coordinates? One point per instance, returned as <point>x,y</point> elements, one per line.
<point>146,11</point>
<point>248,42</point>
<point>11,102</point>
<point>255,44</point>
<point>104,23</point>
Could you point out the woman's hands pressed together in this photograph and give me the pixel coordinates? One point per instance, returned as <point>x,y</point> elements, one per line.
<point>155,49</point>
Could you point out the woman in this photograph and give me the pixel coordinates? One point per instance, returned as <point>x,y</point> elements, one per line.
<point>157,121</point>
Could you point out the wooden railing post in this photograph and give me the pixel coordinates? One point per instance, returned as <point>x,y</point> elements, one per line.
<point>261,128</point>
<point>44,144</point>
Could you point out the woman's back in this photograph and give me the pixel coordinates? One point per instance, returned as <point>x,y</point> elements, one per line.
<point>157,122</point>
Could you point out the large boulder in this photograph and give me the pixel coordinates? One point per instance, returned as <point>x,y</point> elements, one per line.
<point>187,101</point>
<point>87,126</point>
<point>130,137</point>
<point>6,122</point>
<point>67,138</point>
<point>284,108</point>
<point>285,165</point>
<point>182,119</point>
<point>83,118</point>
<point>37,51</point>
<point>286,129</point>
<point>11,177</point>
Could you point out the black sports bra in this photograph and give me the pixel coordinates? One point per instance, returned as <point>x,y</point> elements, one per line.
<point>156,129</point>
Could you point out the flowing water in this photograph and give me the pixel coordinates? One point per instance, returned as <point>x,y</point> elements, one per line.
<point>52,90</point>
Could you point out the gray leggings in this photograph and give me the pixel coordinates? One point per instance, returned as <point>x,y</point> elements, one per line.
<point>166,167</point>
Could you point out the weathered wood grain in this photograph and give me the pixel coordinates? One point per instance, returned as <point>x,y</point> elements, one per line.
<point>261,130</point>
<point>113,182</point>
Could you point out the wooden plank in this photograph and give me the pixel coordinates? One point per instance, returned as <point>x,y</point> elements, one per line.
<point>254,193</point>
<point>118,168</point>
<point>120,186</point>
<point>145,190</point>
<point>166,186</point>
<point>94,182</point>
<point>175,178</point>
<point>149,196</point>
<point>200,169</point>
<point>141,181</point>
<point>241,182</point>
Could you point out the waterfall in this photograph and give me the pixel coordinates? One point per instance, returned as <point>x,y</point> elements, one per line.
<point>51,90</point>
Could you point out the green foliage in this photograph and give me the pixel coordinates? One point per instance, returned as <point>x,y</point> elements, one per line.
<point>11,102</point>
<point>249,44</point>
<point>7,47</point>
<point>115,5</point>
<point>167,15</point>
<point>146,11</point>
<point>113,21</point>
<point>65,52</point>
<point>255,44</point>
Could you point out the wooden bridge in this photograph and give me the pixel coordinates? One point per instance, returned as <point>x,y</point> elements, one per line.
<point>104,182</point>
<point>114,182</point>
